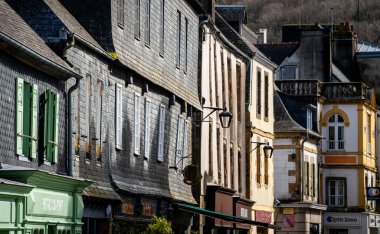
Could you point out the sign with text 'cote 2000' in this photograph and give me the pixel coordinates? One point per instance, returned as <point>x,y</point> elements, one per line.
<point>373,193</point>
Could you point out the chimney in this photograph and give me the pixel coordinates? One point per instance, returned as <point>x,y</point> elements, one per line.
<point>315,54</point>
<point>209,7</point>
<point>344,48</point>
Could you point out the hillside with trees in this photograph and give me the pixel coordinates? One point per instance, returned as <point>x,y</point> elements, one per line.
<point>272,14</point>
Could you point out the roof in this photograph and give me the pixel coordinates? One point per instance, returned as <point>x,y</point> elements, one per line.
<point>24,43</point>
<point>98,191</point>
<point>232,12</point>
<point>283,122</point>
<point>232,35</point>
<point>11,182</point>
<point>71,23</point>
<point>339,74</point>
<point>367,47</point>
<point>278,52</point>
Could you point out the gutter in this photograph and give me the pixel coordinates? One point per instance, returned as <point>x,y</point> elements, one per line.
<point>68,73</point>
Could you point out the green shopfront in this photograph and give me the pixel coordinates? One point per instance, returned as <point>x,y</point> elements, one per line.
<point>39,202</point>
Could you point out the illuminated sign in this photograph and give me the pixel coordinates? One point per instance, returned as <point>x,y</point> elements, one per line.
<point>373,193</point>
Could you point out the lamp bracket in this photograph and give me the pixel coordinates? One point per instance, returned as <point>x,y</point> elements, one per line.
<point>213,110</point>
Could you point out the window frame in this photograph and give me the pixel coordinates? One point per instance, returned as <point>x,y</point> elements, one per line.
<point>336,125</point>
<point>258,94</point>
<point>344,195</point>
<point>118,116</point>
<point>137,124</point>
<point>161,133</point>
<point>147,22</point>
<point>137,30</point>
<point>51,126</point>
<point>162,28</point>
<point>120,13</point>
<point>178,46</point>
<point>147,126</point>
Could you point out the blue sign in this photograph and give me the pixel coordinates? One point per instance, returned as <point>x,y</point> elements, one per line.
<point>373,193</point>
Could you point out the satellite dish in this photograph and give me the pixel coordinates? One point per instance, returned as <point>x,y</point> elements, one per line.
<point>191,175</point>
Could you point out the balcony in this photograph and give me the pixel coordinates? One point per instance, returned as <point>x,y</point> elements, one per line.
<point>351,90</point>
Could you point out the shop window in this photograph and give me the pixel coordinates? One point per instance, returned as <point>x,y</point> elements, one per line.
<point>26,118</point>
<point>51,115</point>
<point>314,228</point>
<point>336,190</point>
<point>336,132</point>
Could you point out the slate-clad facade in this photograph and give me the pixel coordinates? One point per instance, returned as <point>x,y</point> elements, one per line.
<point>131,121</point>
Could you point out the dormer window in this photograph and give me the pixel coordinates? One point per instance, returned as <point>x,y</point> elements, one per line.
<point>290,72</point>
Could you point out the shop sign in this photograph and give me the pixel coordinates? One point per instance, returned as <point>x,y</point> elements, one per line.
<point>263,216</point>
<point>243,212</point>
<point>373,193</point>
<point>127,208</point>
<point>49,203</point>
<point>342,219</point>
<point>288,211</point>
<point>223,204</point>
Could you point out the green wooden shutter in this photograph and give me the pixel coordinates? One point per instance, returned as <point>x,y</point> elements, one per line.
<point>55,127</point>
<point>34,121</point>
<point>46,126</point>
<point>19,114</point>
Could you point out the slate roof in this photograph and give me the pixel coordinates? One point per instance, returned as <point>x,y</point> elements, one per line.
<point>232,12</point>
<point>12,26</point>
<point>278,52</point>
<point>367,47</point>
<point>71,23</point>
<point>283,122</point>
<point>232,35</point>
<point>101,192</point>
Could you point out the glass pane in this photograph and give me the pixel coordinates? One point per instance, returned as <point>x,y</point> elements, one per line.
<point>340,188</point>
<point>340,119</point>
<point>332,119</point>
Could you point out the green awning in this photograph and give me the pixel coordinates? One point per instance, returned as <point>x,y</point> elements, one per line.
<point>226,217</point>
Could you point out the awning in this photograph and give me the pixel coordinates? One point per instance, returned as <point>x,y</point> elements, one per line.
<point>218,215</point>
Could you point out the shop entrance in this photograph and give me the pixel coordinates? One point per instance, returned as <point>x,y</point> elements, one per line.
<point>338,231</point>
<point>51,229</point>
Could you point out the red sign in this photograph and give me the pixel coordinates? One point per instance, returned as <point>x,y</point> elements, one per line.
<point>288,221</point>
<point>263,216</point>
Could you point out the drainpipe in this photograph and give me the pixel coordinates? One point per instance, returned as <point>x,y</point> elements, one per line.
<point>69,40</point>
<point>302,161</point>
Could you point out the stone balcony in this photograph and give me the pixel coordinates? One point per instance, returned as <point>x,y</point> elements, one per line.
<point>351,90</point>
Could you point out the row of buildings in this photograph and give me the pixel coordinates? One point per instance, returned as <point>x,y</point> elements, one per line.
<point>115,111</point>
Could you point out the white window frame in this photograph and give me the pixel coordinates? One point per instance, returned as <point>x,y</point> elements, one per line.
<point>148,104</point>
<point>337,194</point>
<point>335,144</point>
<point>118,116</point>
<point>161,134</point>
<point>179,142</point>
<point>137,124</point>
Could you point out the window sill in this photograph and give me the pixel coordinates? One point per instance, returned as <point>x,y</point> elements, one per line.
<point>147,45</point>
<point>23,158</point>
<point>178,66</point>
<point>136,154</point>
<point>266,119</point>
<point>137,38</point>
<point>161,55</point>
<point>121,25</point>
<point>118,149</point>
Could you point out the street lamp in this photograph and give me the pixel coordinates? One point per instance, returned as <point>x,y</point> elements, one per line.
<point>268,150</point>
<point>224,116</point>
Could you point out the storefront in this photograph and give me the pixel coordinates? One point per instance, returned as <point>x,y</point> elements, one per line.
<point>351,223</point>
<point>242,208</point>
<point>38,202</point>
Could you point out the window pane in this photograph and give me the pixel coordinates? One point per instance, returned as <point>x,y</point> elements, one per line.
<point>332,119</point>
<point>340,119</point>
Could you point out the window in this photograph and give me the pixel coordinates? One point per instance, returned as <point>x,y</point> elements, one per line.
<point>162,26</point>
<point>266,97</point>
<point>26,118</point>
<point>147,22</point>
<point>210,150</point>
<point>120,13</point>
<point>290,73</point>
<point>230,91</point>
<point>179,144</point>
<point>88,116</point>
<point>147,129</point>
<point>137,124</point>
<point>185,140</point>
<point>232,166</point>
<point>225,165</point>
<point>186,39</point>
<point>219,156</point>
<point>161,133</point>
<point>307,178</point>
<point>178,55</point>
<point>369,134</point>
<point>51,115</point>
<point>258,98</point>
<point>258,163</point>
<point>336,189</point>
<point>309,119</point>
<point>266,170</point>
<point>99,90</point>
<point>222,82</point>
<point>137,18</point>
<point>336,132</point>
<point>313,179</point>
<point>119,115</point>
<point>240,175</point>
<point>238,88</point>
